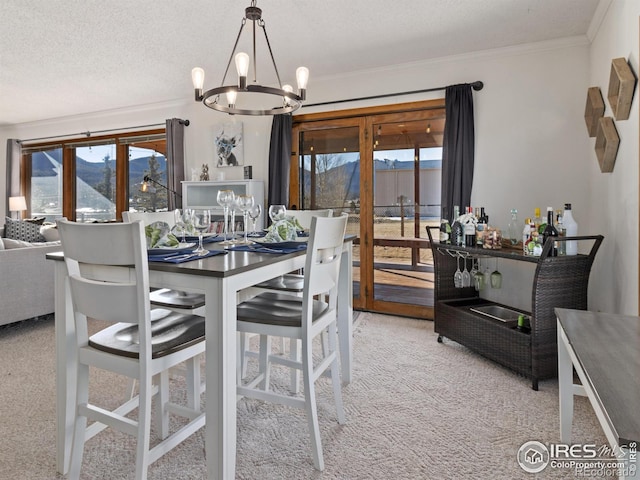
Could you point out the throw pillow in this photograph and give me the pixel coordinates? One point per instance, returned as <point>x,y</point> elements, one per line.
<point>36,220</point>
<point>50,233</point>
<point>25,231</point>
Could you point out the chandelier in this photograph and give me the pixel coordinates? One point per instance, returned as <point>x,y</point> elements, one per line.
<point>226,98</point>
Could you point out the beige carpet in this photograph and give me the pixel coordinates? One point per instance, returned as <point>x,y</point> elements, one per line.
<point>417,409</point>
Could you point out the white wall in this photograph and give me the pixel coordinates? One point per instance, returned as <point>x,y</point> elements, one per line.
<point>532,148</point>
<point>613,197</point>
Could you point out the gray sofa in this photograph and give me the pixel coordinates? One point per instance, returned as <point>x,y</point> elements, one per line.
<point>26,280</point>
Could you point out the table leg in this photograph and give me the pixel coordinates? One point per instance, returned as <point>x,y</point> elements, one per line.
<point>345,313</point>
<point>565,386</point>
<point>220,429</point>
<point>65,368</point>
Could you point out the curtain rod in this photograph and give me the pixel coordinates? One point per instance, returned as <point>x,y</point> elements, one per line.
<point>477,86</point>
<point>88,133</point>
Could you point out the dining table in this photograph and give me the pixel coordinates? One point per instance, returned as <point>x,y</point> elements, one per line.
<point>222,279</point>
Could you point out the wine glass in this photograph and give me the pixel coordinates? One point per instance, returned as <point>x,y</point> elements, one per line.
<point>496,277</point>
<point>179,224</point>
<point>225,199</point>
<point>277,212</point>
<point>457,277</point>
<point>254,214</point>
<point>187,221</point>
<point>466,276</point>
<point>202,223</point>
<point>244,203</point>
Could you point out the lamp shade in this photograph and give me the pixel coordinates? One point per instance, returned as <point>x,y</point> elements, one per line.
<point>17,204</point>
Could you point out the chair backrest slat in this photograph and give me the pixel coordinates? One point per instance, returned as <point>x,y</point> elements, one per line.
<point>98,291</point>
<point>150,217</point>
<point>304,216</point>
<point>324,253</point>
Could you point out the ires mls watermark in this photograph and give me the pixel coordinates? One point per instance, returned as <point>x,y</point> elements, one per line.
<point>586,460</point>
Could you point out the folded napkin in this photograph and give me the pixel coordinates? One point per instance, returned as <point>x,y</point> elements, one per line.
<point>182,257</point>
<point>270,249</point>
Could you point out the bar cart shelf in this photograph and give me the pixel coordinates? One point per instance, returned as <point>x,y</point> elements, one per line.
<point>560,281</point>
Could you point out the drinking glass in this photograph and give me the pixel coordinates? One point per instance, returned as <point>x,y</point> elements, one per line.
<point>244,203</point>
<point>277,212</point>
<point>179,224</point>
<point>187,220</point>
<point>496,277</point>
<point>457,277</point>
<point>254,214</point>
<point>202,223</point>
<point>466,276</point>
<point>225,199</point>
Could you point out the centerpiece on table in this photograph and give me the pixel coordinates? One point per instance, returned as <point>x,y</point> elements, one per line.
<point>284,230</point>
<point>158,234</point>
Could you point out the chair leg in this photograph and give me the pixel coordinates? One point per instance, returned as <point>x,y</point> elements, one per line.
<point>193,383</point>
<point>162,398</point>
<point>130,392</point>
<point>82,398</point>
<point>265,365</point>
<point>310,405</point>
<point>294,373</point>
<point>144,420</point>
<point>242,360</point>
<point>335,373</point>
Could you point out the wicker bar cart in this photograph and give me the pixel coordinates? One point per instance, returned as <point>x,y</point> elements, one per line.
<point>560,281</point>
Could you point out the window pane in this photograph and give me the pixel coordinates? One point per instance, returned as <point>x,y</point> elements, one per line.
<point>95,183</point>
<point>152,163</point>
<point>46,184</point>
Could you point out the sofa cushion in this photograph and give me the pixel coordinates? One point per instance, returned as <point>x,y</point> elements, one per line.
<point>10,243</point>
<point>20,230</point>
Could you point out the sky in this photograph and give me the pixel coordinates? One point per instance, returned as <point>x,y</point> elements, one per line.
<point>97,153</point>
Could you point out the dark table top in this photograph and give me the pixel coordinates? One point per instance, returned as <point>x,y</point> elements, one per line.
<point>607,347</point>
<point>233,263</point>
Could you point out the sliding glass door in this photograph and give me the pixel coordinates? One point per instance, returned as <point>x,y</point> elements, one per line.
<point>383,170</point>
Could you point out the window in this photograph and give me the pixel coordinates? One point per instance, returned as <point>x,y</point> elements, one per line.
<point>95,180</point>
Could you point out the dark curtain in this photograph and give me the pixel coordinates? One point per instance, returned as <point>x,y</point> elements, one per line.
<point>279,160</point>
<point>458,149</point>
<point>175,160</point>
<point>14,158</point>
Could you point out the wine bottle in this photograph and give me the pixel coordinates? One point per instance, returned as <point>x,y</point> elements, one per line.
<point>562,232</point>
<point>480,227</point>
<point>550,231</point>
<point>457,231</point>
<point>484,218</point>
<point>571,227</point>
<point>513,228</point>
<point>537,219</point>
<point>526,234</point>
<point>445,228</point>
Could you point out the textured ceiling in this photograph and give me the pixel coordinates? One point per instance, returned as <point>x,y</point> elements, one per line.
<point>67,57</point>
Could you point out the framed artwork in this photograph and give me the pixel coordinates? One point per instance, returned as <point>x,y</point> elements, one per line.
<point>229,145</point>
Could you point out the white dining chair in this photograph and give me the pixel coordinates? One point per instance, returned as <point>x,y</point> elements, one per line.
<point>178,301</point>
<point>304,318</point>
<point>140,343</point>
<point>291,283</point>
